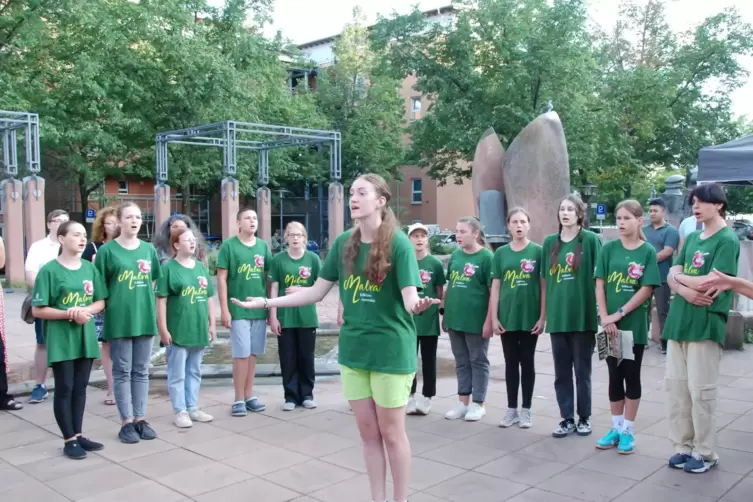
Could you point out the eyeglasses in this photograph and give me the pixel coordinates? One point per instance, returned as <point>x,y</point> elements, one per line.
<point>295,235</point>
<point>58,220</point>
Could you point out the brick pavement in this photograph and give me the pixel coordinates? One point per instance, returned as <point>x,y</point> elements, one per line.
<point>310,456</point>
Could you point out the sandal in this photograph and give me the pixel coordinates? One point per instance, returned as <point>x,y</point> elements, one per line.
<point>11,405</point>
<point>109,401</point>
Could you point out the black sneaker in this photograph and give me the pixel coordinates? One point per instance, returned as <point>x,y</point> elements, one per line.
<point>89,445</point>
<point>73,449</point>
<point>128,434</point>
<point>564,429</point>
<point>145,431</point>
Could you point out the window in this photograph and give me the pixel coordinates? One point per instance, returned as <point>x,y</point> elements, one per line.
<point>416,221</point>
<point>416,191</point>
<point>122,187</point>
<point>415,108</point>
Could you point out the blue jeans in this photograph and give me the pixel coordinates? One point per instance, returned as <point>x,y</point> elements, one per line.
<point>130,372</point>
<point>184,376</point>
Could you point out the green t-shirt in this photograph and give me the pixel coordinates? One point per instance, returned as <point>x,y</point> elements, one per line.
<point>687,322</point>
<point>247,268</point>
<point>519,273</point>
<point>571,294</point>
<point>61,288</point>
<point>469,277</point>
<point>431,271</point>
<point>128,275</point>
<point>301,272</point>
<point>625,272</point>
<point>188,291</point>
<point>377,334</point>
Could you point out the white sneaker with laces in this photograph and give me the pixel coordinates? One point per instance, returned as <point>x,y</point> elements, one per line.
<point>182,420</point>
<point>459,411</point>
<point>423,405</point>
<point>200,416</point>
<point>309,404</point>
<point>510,419</point>
<point>526,420</point>
<point>475,412</point>
<point>410,409</point>
<point>288,406</point>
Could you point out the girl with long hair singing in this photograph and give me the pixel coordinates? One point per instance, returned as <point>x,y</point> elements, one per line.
<point>626,273</point>
<point>378,277</point>
<point>568,261</point>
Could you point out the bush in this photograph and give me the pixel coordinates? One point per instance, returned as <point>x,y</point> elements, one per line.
<point>436,246</point>
<point>212,261</point>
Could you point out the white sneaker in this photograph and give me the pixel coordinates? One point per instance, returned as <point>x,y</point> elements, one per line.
<point>288,406</point>
<point>309,404</point>
<point>200,416</point>
<point>526,420</point>
<point>475,412</point>
<point>457,412</point>
<point>182,420</point>
<point>423,406</point>
<point>510,419</point>
<point>410,408</point>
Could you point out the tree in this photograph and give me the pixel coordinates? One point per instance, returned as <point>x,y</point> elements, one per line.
<point>362,102</point>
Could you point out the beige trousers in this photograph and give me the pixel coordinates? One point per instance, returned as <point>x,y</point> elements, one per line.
<point>692,372</point>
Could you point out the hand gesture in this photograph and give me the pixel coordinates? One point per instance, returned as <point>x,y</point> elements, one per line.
<point>225,319</point>
<point>716,283</point>
<point>275,326</point>
<point>610,329</point>
<point>423,304</point>
<point>250,303</point>
<point>610,319</point>
<point>697,298</point>
<point>538,328</point>
<point>497,327</point>
<point>166,338</point>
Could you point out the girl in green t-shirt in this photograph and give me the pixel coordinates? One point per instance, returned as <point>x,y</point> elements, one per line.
<point>466,318</point>
<point>427,324</point>
<point>375,266</point>
<point>291,269</point>
<point>518,313</point>
<point>68,292</point>
<point>185,319</point>
<point>626,273</point>
<point>568,259</point>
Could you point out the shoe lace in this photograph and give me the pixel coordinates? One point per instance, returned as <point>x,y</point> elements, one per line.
<point>697,456</point>
<point>563,425</point>
<point>526,414</point>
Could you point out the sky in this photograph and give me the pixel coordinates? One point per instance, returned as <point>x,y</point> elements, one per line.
<point>307,20</point>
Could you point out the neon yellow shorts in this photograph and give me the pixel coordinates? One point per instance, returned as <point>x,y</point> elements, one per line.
<point>388,390</point>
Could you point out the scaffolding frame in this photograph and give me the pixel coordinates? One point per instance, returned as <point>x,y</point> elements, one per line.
<point>10,123</point>
<point>232,136</point>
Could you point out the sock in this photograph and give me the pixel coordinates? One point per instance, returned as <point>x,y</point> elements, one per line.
<point>618,422</point>
<point>628,426</point>
<point>240,402</point>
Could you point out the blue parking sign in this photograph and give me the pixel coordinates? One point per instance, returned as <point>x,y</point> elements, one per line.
<point>601,211</point>
<point>175,213</point>
<point>90,215</point>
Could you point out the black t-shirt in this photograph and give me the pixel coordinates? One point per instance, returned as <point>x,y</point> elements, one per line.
<point>91,250</point>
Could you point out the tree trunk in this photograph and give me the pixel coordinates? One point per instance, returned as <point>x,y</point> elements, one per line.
<point>83,193</point>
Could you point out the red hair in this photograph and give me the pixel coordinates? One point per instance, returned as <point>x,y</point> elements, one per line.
<point>175,238</point>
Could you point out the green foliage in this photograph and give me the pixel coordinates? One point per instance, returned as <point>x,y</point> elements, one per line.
<point>212,261</point>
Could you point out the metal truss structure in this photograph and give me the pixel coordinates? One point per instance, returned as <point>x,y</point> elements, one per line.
<point>232,136</point>
<point>10,124</point>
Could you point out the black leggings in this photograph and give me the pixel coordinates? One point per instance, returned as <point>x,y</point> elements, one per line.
<point>519,348</point>
<point>69,401</point>
<point>625,378</point>
<point>428,346</point>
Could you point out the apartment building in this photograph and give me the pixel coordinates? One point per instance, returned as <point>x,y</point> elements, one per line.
<point>417,198</point>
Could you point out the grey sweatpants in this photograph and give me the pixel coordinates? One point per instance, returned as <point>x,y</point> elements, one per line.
<point>471,364</point>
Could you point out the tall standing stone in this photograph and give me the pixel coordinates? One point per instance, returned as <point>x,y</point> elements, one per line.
<point>536,173</point>
<point>486,174</point>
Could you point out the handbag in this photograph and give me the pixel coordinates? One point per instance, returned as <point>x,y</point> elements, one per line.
<point>26,315</point>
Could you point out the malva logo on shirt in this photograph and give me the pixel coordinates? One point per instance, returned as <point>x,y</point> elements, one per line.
<point>203,283</point>
<point>425,276</point>
<point>361,290</point>
<point>459,279</point>
<point>139,279</point>
<point>76,299</point>
<point>300,280</point>
<point>563,273</point>
<point>194,293</point>
<point>627,282</point>
<point>699,258</point>
<point>89,287</point>
<point>522,277</point>
<point>635,270</point>
<point>252,270</point>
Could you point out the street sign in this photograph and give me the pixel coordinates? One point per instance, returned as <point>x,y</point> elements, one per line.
<point>90,215</point>
<point>601,211</point>
<point>175,213</point>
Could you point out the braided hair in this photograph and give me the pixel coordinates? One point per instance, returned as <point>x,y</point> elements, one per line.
<point>580,212</point>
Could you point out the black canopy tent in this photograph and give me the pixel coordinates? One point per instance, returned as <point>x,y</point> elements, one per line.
<point>730,163</point>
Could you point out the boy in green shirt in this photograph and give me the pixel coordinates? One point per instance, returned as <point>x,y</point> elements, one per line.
<point>695,330</point>
<point>242,267</point>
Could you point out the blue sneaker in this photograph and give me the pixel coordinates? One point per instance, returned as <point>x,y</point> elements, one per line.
<point>255,405</point>
<point>678,460</point>
<point>610,440</point>
<point>627,443</point>
<point>697,464</point>
<point>38,394</point>
<point>239,409</point>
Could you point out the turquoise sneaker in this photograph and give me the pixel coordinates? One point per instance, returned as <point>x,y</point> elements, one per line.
<point>627,443</point>
<point>610,440</point>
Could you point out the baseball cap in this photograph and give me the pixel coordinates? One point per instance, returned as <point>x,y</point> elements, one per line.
<point>417,226</point>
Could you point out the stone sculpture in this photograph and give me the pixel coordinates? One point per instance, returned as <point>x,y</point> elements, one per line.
<point>534,173</point>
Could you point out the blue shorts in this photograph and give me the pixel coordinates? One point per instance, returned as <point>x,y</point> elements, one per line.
<point>39,331</point>
<point>248,338</point>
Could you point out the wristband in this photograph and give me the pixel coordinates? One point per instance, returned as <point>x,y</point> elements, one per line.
<point>265,304</point>
<point>441,310</point>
